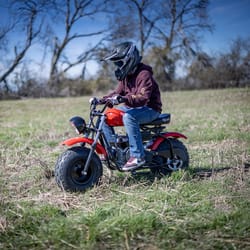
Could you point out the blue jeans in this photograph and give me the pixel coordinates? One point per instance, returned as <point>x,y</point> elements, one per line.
<point>132,119</point>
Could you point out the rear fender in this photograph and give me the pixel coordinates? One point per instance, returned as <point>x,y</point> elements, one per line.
<point>72,141</point>
<point>160,139</point>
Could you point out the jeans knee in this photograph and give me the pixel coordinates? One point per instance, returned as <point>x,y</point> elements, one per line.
<point>127,118</point>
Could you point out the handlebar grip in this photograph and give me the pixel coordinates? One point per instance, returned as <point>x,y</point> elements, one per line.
<point>93,100</point>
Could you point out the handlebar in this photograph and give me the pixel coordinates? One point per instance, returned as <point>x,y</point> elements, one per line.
<point>94,102</point>
<point>115,100</point>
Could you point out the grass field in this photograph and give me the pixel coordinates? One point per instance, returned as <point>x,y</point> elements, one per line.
<point>206,207</point>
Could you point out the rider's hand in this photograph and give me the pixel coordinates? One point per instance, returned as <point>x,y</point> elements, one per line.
<point>102,101</point>
<point>114,100</point>
<point>110,102</point>
<point>118,99</point>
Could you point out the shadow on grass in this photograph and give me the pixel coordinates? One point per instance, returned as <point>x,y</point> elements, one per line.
<point>148,178</point>
<point>208,172</point>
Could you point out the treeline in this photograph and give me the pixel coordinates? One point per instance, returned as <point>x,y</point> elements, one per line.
<point>46,46</point>
<point>230,69</point>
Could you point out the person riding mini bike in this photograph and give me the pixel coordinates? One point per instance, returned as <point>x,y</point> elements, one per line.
<point>140,94</point>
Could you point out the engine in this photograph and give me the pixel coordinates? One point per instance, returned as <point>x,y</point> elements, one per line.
<point>122,154</point>
<point>122,150</point>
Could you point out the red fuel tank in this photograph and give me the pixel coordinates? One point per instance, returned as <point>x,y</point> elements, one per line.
<point>114,117</point>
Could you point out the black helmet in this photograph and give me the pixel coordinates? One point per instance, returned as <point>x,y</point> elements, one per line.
<point>126,57</point>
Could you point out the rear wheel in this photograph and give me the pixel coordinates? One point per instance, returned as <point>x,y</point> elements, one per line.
<point>69,170</point>
<point>165,164</point>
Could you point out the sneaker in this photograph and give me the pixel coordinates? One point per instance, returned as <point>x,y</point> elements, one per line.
<point>103,158</point>
<point>133,163</point>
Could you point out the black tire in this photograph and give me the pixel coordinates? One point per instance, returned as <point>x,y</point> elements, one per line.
<point>180,154</point>
<point>69,166</point>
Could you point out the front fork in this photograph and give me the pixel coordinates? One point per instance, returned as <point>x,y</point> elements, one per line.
<point>93,146</point>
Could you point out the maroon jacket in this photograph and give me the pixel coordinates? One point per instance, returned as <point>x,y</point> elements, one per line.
<point>140,89</point>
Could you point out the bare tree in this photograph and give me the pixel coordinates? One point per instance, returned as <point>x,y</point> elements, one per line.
<point>228,69</point>
<point>27,11</point>
<point>73,13</point>
<point>146,20</point>
<point>201,72</point>
<point>4,31</point>
<point>181,23</point>
<point>236,63</point>
<point>166,30</point>
<point>178,30</point>
<point>134,19</point>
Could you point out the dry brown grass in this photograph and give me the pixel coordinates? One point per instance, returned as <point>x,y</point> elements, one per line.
<point>218,179</point>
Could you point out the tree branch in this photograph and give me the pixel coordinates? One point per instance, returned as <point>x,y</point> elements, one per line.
<point>31,35</point>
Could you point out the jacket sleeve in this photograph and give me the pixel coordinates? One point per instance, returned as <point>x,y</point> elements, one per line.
<point>144,83</point>
<point>118,91</point>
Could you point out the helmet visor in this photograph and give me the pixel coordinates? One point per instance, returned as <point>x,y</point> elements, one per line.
<point>119,63</point>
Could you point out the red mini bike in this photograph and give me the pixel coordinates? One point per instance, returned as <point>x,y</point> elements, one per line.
<point>81,166</point>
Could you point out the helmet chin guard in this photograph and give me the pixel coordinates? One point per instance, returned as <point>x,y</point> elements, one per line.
<point>119,74</point>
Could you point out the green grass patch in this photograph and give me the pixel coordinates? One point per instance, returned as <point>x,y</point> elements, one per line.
<point>205,207</point>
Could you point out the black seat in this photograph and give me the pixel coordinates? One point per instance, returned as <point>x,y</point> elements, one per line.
<point>162,119</point>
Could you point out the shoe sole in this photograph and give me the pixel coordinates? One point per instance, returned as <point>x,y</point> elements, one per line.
<point>134,167</point>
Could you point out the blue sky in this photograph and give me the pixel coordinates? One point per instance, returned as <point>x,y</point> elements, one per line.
<point>231,19</point>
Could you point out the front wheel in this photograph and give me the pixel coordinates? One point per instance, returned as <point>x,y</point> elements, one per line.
<point>167,164</point>
<point>69,170</point>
